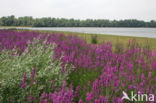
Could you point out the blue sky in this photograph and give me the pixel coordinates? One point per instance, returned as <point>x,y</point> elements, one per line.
<point>81,9</point>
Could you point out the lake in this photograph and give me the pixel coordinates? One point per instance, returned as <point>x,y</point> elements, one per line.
<point>136,32</point>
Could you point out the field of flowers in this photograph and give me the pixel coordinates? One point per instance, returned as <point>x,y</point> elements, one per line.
<point>56,68</point>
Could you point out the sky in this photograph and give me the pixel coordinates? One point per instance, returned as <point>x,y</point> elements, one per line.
<point>81,9</point>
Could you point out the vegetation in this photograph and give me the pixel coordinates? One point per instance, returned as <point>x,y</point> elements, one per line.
<point>39,70</point>
<point>62,22</point>
<point>58,68</point>
<point>94,39</point>
<point>114,39</point>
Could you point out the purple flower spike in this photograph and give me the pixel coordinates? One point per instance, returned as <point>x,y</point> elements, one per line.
<point>24,80</point>
<point>44,95</point>
<point>80,101</point>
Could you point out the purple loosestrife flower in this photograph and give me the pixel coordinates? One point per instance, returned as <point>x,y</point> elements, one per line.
<point>142,76</point>
<point>62,96</point>
<point>114,99</point>
<point>119,100</point>
<point>130,86</point>
<point>75,61</point>
<point>141,59</point>
<point>95,85</point>
<point>44,95</point>
<point>24,80</point>
<point>80,101</point>
<point>101,99</point>
<point>116,83</point>
<point>22,84</point>
<point>30,98</point>
<point>106,99</point>
<point>89,97</point>
<point>77,91</point>
<point>64,84</point>
<point>50,97</point>
<point>84,88</point>
<point>41,100</point>
<point>149,75</point>
<point>143,83</point>
<point>89,83</point>
<point>144,50</point>
<point>45,101</point>
<point>79,63</point>
<point>98,91</point>
<point>96,101</point>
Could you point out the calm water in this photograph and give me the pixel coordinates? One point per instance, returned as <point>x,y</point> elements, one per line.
<point>137,32</point>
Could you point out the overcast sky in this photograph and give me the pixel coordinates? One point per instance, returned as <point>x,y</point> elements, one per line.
<point>81,9</point>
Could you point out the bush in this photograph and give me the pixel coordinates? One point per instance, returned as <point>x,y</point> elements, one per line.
<point>94,39</point>
<point>37,65</point>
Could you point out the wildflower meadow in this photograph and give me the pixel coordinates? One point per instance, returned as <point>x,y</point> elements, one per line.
<point>58,68</point>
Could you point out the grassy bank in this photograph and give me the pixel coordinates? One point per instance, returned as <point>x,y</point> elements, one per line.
<point>122,40</point>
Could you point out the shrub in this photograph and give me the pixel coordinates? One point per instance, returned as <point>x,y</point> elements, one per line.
<point>94,39</point>
<point>37,65</point>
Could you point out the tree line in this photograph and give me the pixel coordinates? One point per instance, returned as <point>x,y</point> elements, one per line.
<point>62,22</point>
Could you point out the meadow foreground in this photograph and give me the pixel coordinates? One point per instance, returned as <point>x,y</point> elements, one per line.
<point>58,68</point>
